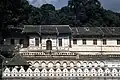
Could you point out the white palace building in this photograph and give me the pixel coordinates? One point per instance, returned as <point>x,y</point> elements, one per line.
<point>63,51</point>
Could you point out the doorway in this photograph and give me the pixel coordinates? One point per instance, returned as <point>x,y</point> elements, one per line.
<point>48,45</point>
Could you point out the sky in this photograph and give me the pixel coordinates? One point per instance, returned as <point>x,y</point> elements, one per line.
<point>113,5</point>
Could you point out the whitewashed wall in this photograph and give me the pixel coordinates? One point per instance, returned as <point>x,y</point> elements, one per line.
<point>32,40</point>
<point>65,43</point>
<point>55,43</point>
<point>111,45</point>
<point>112,42</point>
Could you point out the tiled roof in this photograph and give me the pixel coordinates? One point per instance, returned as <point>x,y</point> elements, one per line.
<point>96,31</point>
<point>47,29</point>
<point>31,28</point>
<point>65,29</point>
<point>111,30</point>
<point>17,60</point>
<point>89,31</point>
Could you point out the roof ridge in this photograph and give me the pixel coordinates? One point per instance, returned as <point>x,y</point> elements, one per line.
<point>77,29</point>
<point>101,30</point>
<point>70,29</point>
<point>2,56</point>
<point>57,30</point>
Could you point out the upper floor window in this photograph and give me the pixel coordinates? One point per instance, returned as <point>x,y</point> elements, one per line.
<point>95,41</point>
<point>12,41</point>
<point>118,41</point>
<point>60,42</point>
<point>36,41</point>
<point>1,41</point>
<point>21,41</point>
<point>84,41</point>
<point>40,40</point>
<point>104,42</point>
<point>74,41</point>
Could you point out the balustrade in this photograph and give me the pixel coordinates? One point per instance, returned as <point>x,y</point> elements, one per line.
<point>62,73</point>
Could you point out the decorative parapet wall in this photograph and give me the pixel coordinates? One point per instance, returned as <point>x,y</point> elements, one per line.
<point>62,72</point>
<point>42,55</point>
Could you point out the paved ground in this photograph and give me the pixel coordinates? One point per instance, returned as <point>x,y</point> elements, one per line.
<point>64,79</point>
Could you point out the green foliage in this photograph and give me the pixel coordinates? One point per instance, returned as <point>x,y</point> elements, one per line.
<point>76,13</point>
<point>47,7</point>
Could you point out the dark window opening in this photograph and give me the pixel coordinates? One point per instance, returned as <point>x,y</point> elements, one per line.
<point>118,41</point>
<point>107,74</point>
<point>104,42</point>
<point>12,41</point>
<point>21,41</point>
<point>60,42</point>
<point>1,41</point>
<point>84,41</point>
<point>40,40</point>
<point>95,41</point>
<point>74,41</point>
<point>36,41</point>
<point>49,45</point>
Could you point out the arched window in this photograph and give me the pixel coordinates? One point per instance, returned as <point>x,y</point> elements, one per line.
<point>48,45</point>
<point>36,41</point>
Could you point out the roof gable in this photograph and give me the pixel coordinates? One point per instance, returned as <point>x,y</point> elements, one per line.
<point>14,70</point>
<point>21,70</point>
<point>17,60</point>
<point>29,70</point>
<point>2,57</point>
<point>7,70</point>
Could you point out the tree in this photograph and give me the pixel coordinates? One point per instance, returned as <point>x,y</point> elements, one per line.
<point>47,7</point>
<point>90,12</point>
<point>49,14</point>
<point>76,13</point>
